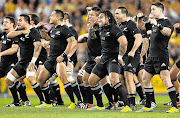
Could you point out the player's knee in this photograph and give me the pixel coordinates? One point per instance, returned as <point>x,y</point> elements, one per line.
<point>10,78</point>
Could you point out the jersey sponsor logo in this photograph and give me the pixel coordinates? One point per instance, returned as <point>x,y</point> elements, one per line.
<point>163,64</point>
<point>108,34</point>
<point>103,38</point>
<point>114,60</point>
<point>52,35</point>
<point>4,42</point>
<point>22,39</point>
<point>27,36</point>
<point>2,37</point>
<point>58,32</point>
<point>125,29</point>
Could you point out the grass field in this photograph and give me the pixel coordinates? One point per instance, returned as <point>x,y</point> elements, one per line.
<point>64,112</point>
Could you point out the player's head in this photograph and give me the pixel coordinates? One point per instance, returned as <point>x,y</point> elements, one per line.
<point>140,21</point>
<point>34,19</point>
<point>157,8</point>
<point>9,22</point>
<point>23,20</point>
<point>106,18</point>
<point>67,18</point>
<point>94,13</point>
<point>120,13</point>
<point>56,15</point>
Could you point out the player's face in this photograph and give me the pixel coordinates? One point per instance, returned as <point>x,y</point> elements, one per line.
<point>21,23</point>
<point>52,18</point>
<point>7,24</point>
<point>155,11</point>
<point>118,16</point>
<point>92,16</point>
<point>102,20</point>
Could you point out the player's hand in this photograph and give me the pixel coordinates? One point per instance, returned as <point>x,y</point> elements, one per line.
<point>31,67</point>
<point>121,62</point>
<point>59,59</point>
<point>41,24</point>
<point>97,59</point>
<point>141,60</point>
<point>177,25</point>
<point>44,33</point>
<point>149,32</point>
<point>140,14</point>
<point>154,22</point>
<point>131,54</point>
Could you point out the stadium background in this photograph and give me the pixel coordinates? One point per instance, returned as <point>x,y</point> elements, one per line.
<point>77,11</point>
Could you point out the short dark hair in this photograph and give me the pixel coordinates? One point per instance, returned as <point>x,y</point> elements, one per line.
<point>60,14</point>
<point>26,17</point>
<point>158,4</point>
<point>123,10</point>
<point>12,20</point>
<point>110,16</point>
<point>97,10</point>
<point>35,18</point>
<point>67,16</point>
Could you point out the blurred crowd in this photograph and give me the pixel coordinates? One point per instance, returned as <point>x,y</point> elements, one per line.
<point>77,11</point>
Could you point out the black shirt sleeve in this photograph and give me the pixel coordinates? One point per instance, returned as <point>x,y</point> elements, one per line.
<point>66,32</point>
<point>133,28</point>
<point>35,35</point>
<point>117,32</point>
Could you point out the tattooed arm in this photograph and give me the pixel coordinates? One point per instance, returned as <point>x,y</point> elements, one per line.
<point>122,45</point>
<point>37,49</point>
<point>92,33</point>
<point>145,46</point>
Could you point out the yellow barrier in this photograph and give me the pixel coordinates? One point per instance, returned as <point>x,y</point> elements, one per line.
<point>156,82</point>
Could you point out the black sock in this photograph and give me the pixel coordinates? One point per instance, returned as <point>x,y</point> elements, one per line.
<point>132,99</point>
<point>128,96</point>
<point>13,90</point>
<point>139,90</point>
<point>121,91</point>
<point>69,91</point>
<point>57,93</point>
<point>81,87</point>
<point>21,88</point>
<point>108,92</point>
<point>76,91</point>
<point>177,96</point>
<point>52,93</point>
<point>89,94</point>
<point>98,95</point>
<point>172,95</point>
<point>46,91</point>
<point>149,96</point>
<point>38,91</point>
<point>116,97</point>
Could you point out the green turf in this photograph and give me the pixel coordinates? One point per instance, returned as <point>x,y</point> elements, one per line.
<point>64,112</point>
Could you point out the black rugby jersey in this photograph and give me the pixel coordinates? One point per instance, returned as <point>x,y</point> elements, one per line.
<point>94,44</point>
<point>109,36</point>
<point>6,44</point>
<point>26,44</point>
<point>159,42</point>
<point>130,29</point>
<point>58,40</point>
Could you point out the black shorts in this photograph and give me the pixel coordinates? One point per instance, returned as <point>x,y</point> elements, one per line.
<point>106,65</point>
<point>51,63</point>
<point>121,70</point>
<point>41,60</point>
<point>131,63</point>
<point>73,60</point>
<point>178,64</point>
<point>89,66</point>
<point>154,65</point>
<point>139,68</point>
<point>21,67</point>
<point>5,67</point>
